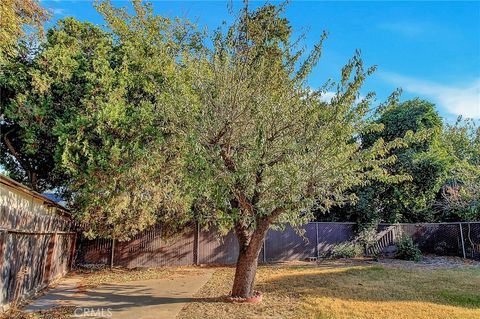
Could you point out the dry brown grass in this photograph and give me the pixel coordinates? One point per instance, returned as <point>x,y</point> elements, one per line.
<point>353,291</point>
<point>55,313</point>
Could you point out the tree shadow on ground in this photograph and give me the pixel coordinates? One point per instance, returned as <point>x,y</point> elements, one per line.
<point>115,297</point>
<point>379,284</point>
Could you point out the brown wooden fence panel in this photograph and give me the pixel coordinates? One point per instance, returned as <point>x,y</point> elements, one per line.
<point>149,249</point>
<point>35,247</point>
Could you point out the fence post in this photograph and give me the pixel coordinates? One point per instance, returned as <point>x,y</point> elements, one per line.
<point>317,252</point>
<point>196,244</point>
<point>463,242</point>
<point>73,249</point>
<point>3,245</point>
<point>112,253</point>
<point>3,262</point>
<point>50,258</point>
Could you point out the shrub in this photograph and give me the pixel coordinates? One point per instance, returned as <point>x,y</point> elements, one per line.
<point>441,248</point>
<point>346,250</point>
<point>407,249</point>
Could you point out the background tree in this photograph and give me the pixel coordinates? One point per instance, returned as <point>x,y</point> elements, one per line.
<point>459,198</point>
<point>16,17</point>
<point>268,150</point>
<point>42,89</point>
<point>425,160</point>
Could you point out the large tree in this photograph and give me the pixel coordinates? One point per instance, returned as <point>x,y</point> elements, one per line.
<point>269,151</point>
<point>125,149</point>
<point>425,160</point>
<point>43,89</point>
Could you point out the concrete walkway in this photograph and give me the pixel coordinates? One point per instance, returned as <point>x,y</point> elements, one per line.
<point>149,299</point>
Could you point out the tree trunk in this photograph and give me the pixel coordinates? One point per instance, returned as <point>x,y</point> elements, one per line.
<point>245,273</point>
<point>33,181</point>
<point>247,262</point>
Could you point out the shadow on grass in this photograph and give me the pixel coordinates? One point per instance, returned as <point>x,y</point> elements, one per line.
<point>459,287</point>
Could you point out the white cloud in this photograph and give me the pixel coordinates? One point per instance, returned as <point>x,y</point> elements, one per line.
<point>457,100</point>
<point>57,11</point>
<point>406,28</point>
<point>329,95</point>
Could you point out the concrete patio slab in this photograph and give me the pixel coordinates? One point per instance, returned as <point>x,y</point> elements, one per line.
<point>149,299</point>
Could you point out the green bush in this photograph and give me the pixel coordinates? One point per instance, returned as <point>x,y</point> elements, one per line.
<point>407,250</point>
<point>346,250</point>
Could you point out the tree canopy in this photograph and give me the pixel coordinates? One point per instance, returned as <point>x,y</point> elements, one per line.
<point>125,149</point>
<point>270,150</point>
<point>425,160</point>
<point>459,198</point>
<point>19,17</point>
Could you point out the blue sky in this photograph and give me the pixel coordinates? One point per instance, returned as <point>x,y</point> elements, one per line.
<point>430,49</point>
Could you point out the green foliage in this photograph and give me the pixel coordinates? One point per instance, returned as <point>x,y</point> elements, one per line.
<point>346,250</point>
<point>18,17</point>
<point>104,115</point>
<point>367,235</point>
<point>42,90</point>
<point>126,148</point>
<point>407,250</point>
<point>425,160</point>
<point>460,195</point>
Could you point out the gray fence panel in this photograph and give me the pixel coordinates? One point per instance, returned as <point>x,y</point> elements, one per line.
<point>288,245</point>
<point>216,250</point>
<point>203,246</point>
<point>330,234</point>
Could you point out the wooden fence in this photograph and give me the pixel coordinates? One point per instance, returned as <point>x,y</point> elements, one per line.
<point>35,250</point>
<point>199,246</point>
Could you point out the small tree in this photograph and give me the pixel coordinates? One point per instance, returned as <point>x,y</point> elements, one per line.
<point>268,149</point>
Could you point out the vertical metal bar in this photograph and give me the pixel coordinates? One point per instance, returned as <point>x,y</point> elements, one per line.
<point>112,252</point>
<point>463,242</point>
<point>317,252</point>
